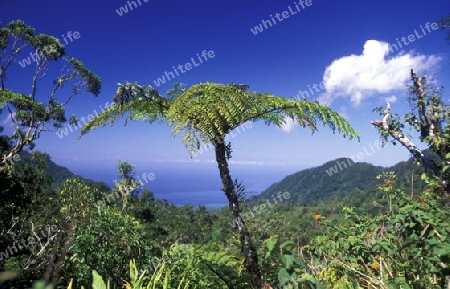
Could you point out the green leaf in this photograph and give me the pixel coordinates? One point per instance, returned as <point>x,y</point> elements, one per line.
<point>300,262</point>
<point>287,244</point>
<point>271,242</point>
<point>97,281</point>
<point>283,276</point>
<point>288,260</point>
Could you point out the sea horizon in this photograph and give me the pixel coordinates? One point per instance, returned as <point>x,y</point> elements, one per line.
<point>192,183</point>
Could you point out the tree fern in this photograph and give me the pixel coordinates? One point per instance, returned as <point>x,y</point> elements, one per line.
<point>207,112</point>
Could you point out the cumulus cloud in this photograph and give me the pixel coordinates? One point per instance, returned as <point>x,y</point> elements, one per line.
<point>359,77</point>
<point>289,125</point>
<point>391,99</point>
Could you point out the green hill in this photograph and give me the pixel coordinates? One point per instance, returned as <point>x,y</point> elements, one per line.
<point>59,174</point>
<point>342,181</point>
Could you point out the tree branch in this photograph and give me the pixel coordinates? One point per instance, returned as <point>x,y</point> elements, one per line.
<point>398,135</point>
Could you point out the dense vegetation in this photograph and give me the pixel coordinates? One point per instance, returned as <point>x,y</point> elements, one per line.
<point>358,226</point>
<point>165,224</point>
<point>350,185</point>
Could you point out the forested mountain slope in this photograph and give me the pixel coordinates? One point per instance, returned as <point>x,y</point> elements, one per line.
<point>341,180</point>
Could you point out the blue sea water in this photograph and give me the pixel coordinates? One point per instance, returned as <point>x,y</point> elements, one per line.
<point>192,183</point>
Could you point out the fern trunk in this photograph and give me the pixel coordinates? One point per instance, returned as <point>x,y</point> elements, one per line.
<point>247,247</point>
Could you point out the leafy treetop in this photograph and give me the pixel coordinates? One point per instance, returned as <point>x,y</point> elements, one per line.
<point>207,111</point>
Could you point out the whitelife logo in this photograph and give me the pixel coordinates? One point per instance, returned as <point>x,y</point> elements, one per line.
<point>284,14</point>
<point>62,132</point>
<point>124,9</point>
<point>412,37</point>
<point>188,66</point>
<point>48,48</point>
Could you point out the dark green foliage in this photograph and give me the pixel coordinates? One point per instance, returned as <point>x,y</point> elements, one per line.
<point>93,235</point>
<point>209,111</point>
<point>32,112</point>
<point>163,224</point>
<point>168,224</point>
<point>28,203</point>
<point>408,239</point>
<point>350,183</point>
<point>293,272</point>
<point>59,174</point>
<point>310,186</point>
<point>7,95</point>
<point>16,28</point>
<point>429,118</point>
<point>391,237</point>
<point>444,24</point>
<point>92,81</point>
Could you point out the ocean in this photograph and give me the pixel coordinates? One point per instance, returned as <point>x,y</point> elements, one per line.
<point>192,183</point>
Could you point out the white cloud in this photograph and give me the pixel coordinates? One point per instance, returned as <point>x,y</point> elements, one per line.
<point>289,125</point>
<point>361,76</point>
<point>391,99</point>
<point>8,123</point>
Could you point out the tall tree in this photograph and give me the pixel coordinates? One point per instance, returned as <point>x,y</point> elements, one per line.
<point>208,112</point>
<point>429,116</point>
<point>29,114</point>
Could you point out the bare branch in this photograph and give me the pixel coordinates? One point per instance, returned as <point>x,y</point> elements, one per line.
<point>398,135</point>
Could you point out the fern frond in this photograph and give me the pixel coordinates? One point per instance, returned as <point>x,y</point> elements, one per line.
<point>209,110</point>
<point>141,102</point>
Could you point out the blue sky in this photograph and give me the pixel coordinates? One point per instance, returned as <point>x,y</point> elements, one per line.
<point>343,45</point>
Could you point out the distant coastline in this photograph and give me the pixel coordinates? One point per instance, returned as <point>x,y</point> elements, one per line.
<point>196,184</point>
